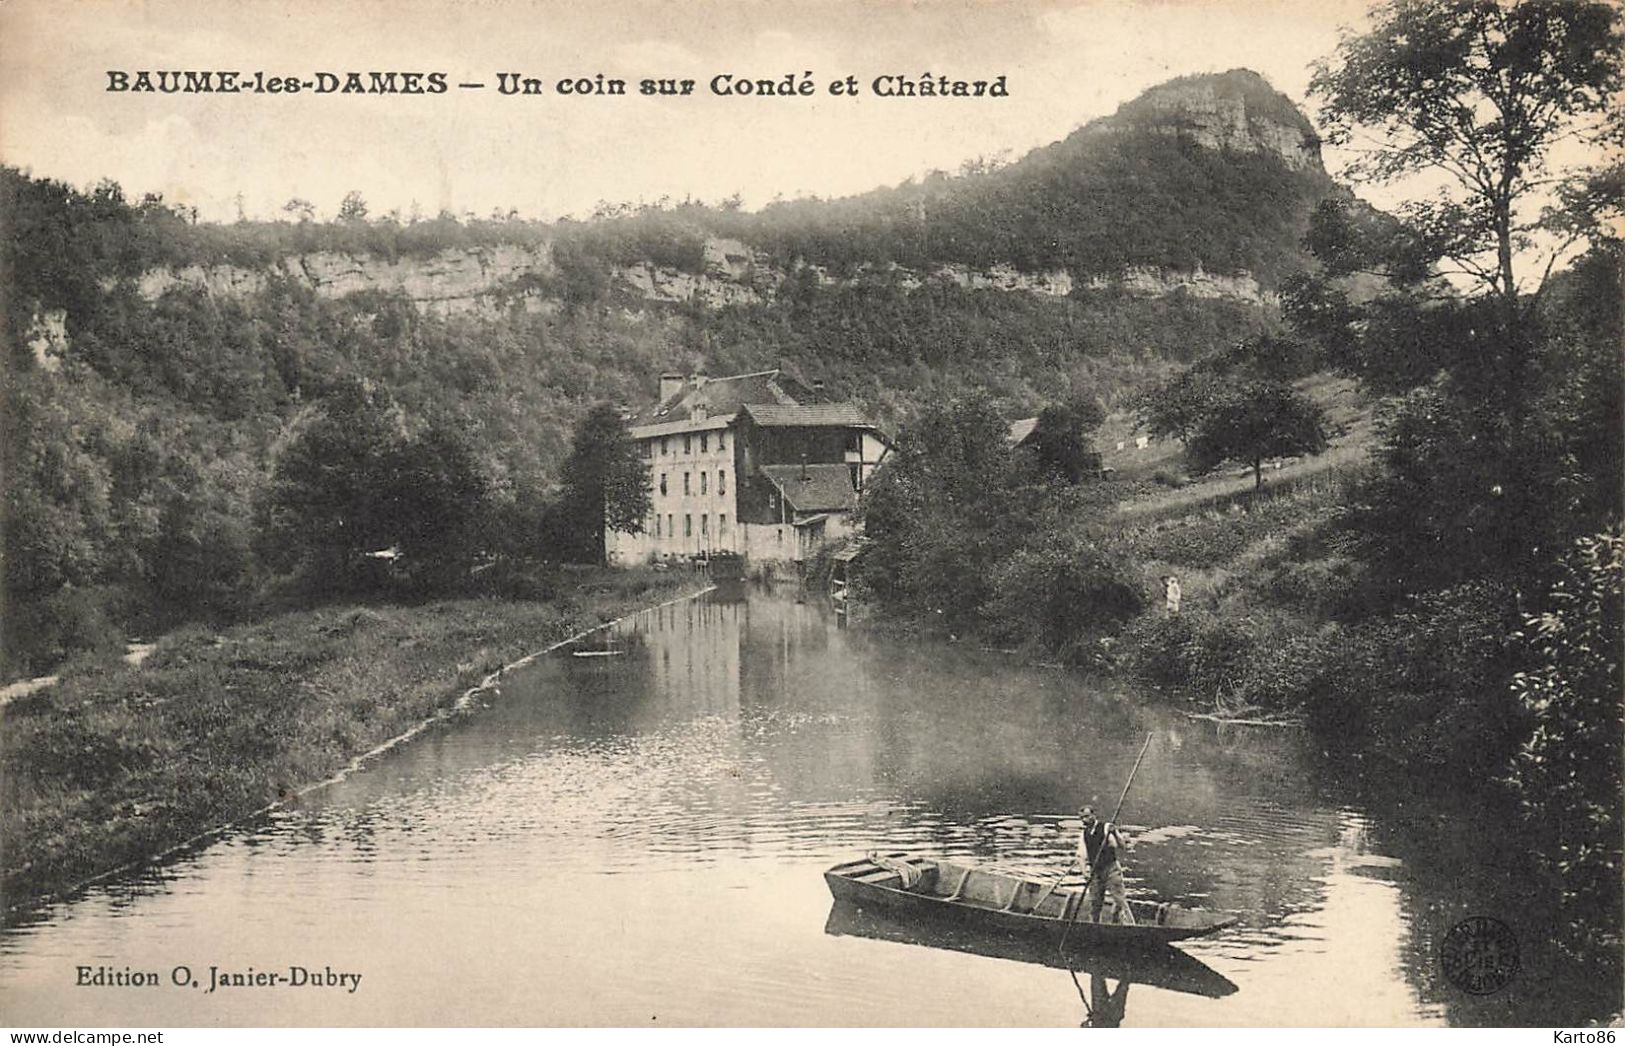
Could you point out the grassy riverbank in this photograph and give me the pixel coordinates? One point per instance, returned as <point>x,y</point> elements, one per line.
<point>118,764</point>
<point>1259,574</point>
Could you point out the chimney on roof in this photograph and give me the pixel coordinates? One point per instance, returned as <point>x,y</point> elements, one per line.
<point>803,468</point>
<point>670,385</point>
<point>818,385</point>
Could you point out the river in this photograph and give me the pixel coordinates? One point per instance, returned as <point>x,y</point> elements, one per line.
<point>637,836</point>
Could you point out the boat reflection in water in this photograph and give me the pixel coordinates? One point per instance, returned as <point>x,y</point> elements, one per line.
<point>1155,964</point>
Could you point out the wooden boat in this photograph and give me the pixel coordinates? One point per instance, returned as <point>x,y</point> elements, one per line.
<point>1028,908</point>
<point>1156,964</point>
<point>604,643</point>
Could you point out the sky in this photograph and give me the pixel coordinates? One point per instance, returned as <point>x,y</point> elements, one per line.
<point>1064,61</point>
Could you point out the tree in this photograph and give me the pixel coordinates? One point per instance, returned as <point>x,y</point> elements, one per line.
<point>326,503</point>
<point>300,210</point>
<point>1504,441</point>
<point>606,483</point>
<point>1060,441</point>
<point>353,208</point>
<point>959,530</point>
<point>941,509</point>
<point>61,520</point>
<point>434,497</point>
<point>352,482</point>
<point>1258,420</point>
<point>1246,419</point>
<point>1479,466</point>
<point>1480,91</point>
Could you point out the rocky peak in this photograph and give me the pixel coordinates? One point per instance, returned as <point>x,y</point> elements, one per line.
<point>1237,111</point>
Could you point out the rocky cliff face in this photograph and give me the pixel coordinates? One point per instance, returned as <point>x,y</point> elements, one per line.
<point>1234,112</point>
<point>489,281</point>
<point>1237,111</point>
<point>474,280</point>
<point>1240,287</point>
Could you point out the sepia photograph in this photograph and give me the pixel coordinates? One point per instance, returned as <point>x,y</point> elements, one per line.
<point>812,514</point>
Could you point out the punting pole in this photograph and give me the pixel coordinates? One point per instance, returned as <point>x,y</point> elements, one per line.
<point>1130,782</point>
<point>1094,871</point>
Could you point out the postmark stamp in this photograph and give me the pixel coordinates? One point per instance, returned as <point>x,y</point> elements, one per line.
<point>1480,955</point>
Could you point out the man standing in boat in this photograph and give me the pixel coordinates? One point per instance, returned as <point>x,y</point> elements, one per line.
<point>1099,852</point>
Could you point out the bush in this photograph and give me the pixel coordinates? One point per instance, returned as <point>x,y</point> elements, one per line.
<point>1061,594</point>
<point>1195,650</point>
<point>77,623</point>
<point>1566,773</point>
<point>527,581</point>
<point>1299,671</point>
<point>1199,542</point>
<point>1425,689</point>
<point>1325,587</point>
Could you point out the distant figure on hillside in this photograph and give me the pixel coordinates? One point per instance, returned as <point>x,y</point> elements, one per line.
<point>1100,848</point>
<point>1171,592</point>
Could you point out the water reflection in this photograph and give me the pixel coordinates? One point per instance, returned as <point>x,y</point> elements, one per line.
<point>1158,965</point>
<point>1104,1006</point>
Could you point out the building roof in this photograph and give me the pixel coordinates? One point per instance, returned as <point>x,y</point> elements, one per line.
<point>814,488</point>
<point>725,396</point>
<point>1020,430</point>
<point>844,415</point>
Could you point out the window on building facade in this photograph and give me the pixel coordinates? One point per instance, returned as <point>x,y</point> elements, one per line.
<point>657,524</point>
<point>665,445</point>
<point>780,532</point>
<point>705,523</point>
<point>705,442</point>
<point>722,481</point>
<point>703,477</point>
<point>688,444</point>
<point>685,483</point>
<point>722,523</point>
<point>647,448</point>
<point>662,483</point>
<point>721,443</point>
<point>670,528</point>
<point>688,525</point>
